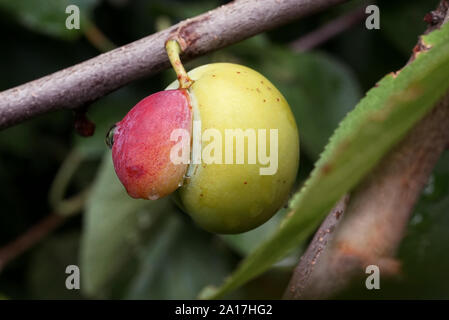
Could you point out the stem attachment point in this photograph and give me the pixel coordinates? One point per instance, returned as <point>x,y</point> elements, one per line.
<point>173,51</point>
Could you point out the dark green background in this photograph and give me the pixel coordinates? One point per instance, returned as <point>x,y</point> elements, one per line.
<point>173,258</point>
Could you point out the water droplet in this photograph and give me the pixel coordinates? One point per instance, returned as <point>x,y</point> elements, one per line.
<point>185,180</point>
<point>153,196</point>
<point>110,136</point>
<point>180,183</point>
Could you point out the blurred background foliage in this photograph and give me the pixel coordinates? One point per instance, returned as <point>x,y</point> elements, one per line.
<point>150,250</point>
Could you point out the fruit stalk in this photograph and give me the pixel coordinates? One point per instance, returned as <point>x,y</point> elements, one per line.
<point>173,51</point>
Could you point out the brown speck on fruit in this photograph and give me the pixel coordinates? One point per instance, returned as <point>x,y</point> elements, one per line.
<point>326,168</point>
<point>277,99</point>
<point>264,100</point>
<point>201,195</point>
<point>261,81</point>
<point>258,90</point>
<point>238,72</point>
<point>268,88</point>
<point>214,75</point>
<point>245,182</point>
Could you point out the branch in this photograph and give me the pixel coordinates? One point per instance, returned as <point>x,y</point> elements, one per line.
<point>306,265</point>
<point>329,30</point>
<point>31,237</point>
<point>85,82</point>
<point>379,210</point>
<point>66,208</point>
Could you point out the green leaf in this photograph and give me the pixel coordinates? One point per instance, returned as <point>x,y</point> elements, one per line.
<point>178,262</point>
<point>379,121</point>
<point>244,243</point>
<point>49,16</point>
<point>115,228</point>
<point>46,272</point>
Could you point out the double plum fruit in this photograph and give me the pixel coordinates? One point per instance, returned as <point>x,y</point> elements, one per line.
<point>208,104</point>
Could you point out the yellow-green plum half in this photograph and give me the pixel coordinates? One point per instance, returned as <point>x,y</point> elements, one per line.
<point>234,198</point>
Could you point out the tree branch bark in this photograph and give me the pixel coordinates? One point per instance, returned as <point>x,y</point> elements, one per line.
<point>380,207</point>
<point>85,82</point>
<point>310,258</point>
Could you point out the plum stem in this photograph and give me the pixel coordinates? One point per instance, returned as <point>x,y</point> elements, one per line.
<point>173,51</point>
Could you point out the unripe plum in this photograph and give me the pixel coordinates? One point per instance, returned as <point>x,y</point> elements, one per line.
<point>221,197</point>
<point>233,198</point>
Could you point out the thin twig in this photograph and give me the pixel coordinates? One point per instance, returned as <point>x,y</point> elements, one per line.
<point>329,30</point>
<point>97,38</point>
<point>66,208</point>
<point>379,209</point>
<point>306,265</point>
<point>30,238</point>
<point>85,82</point>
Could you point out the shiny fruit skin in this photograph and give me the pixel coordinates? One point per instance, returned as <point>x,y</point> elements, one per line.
<point>234,198</point>
<point>141,147</point>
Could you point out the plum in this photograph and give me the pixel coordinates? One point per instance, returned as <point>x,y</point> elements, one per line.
<point>232,197</point>
<point>237,137</point>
